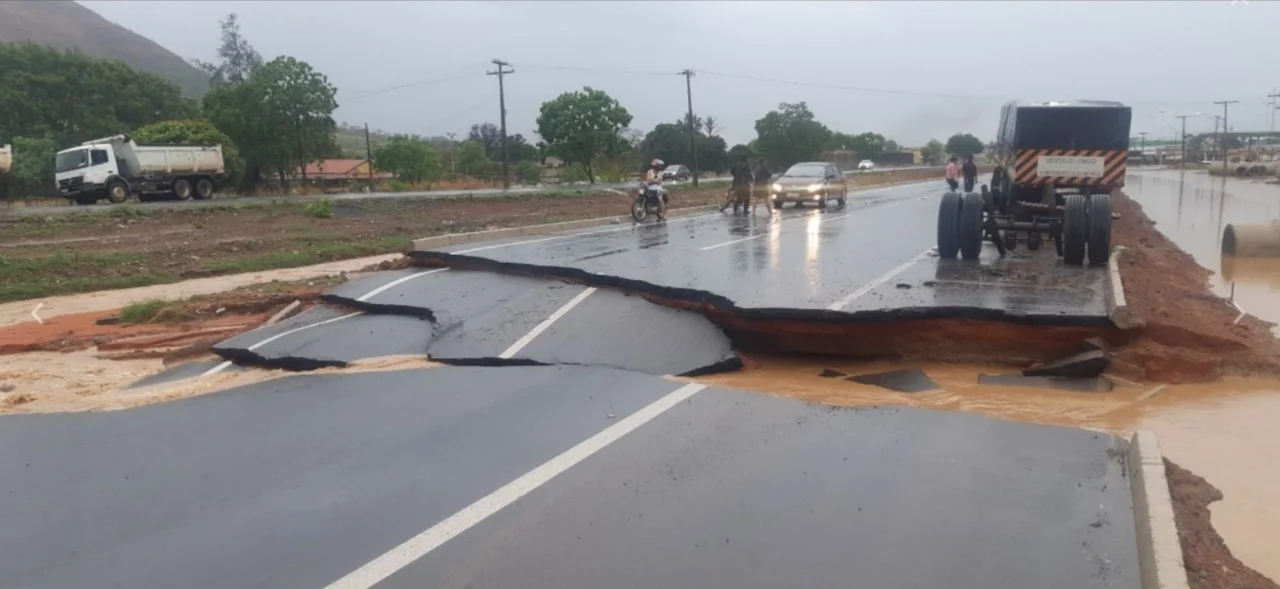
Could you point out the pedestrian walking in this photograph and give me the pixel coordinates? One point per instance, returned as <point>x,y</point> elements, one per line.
<point>970,172</point>
<point>953,174</point>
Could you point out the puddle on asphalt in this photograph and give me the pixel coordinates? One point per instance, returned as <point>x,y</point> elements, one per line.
<point>1224,432</point>
<point>1192,208</point>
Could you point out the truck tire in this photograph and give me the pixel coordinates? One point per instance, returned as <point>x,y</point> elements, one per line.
<point>117,192</point>
<point>1099,228</point>
<point>204,189</point>
<point>1075,223</point>
<point>970,226</point>
<point>182,189</point>
<point>949,225</point>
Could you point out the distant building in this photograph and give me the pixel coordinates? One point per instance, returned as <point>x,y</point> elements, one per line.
<point>341,172</point>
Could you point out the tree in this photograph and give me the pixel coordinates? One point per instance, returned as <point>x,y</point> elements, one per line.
<point>740,152</point>
<point>194,132</point>
<point>410,159</point>
<point>471,160</point>
<point>932,152</point>
<point>964,145</point>
<point>584,127</point>
<point>713,154</point>
<point>711,125</point>
<point>238,58</point>
<point>790,134</point>
<point>670,143</point>
<point>72,98</point>
<point>281,117</point>
<point>33,159</point>
<point>891,146</point>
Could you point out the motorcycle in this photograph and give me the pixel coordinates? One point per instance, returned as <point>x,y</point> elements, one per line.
<point>648,201</point>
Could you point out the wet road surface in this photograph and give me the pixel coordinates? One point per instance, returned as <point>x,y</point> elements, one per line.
<point>586,473</point>
<point>806,260</point>
<point>450,476</point>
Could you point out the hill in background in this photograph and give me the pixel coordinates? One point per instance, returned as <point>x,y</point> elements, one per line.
<point>68,25</point>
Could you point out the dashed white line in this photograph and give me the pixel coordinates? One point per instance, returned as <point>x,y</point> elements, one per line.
<point>432,538</point>
<point>883,278</point>
<point>541,327</point>
<point>224,365</point>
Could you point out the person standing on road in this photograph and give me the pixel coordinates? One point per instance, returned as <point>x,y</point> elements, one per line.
<point>741,187</point>
<point>761,175</point>
<point>970,172</point>
<point>953,174</point>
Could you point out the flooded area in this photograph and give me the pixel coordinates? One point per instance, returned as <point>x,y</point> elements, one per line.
<point>1192,208</point>
<point>1224,432</point>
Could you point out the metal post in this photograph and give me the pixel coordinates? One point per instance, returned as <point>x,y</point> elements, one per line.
<point>502,105</point>
<point>1225,129</point>
<point>1271,112</point>
<point>693,133</point>
<point>368,154</point>
<point>1142,146</point>
<point>1183,163</point>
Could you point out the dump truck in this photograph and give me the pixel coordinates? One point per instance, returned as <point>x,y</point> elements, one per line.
<point>115,168</point>
<point>1056,166</point>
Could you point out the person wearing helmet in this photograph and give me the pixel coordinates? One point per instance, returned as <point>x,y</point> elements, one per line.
<point>653,178</point>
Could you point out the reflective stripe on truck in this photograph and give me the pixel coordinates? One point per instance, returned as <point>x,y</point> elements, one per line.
<point>1070,167</point>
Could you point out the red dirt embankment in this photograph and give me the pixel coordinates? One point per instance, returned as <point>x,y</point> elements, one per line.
<point>1189,333</point>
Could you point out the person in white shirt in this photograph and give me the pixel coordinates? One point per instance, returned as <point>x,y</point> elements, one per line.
<point>653,178</point>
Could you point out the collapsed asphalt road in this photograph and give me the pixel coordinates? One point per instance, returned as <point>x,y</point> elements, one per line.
<point>590,469</point>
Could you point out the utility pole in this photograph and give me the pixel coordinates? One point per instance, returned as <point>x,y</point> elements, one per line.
<point>502,104</point>
<point>693,133</point>
<point>453,148</point>
<point>1217,139</point>
<point>368,154</point>
<point>1225,129</point>
<point>1142,146</point>
<point>1271,112</point>
<point>1183,157</point>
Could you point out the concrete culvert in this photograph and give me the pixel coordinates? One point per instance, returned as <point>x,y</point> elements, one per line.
<point>1254,240</point>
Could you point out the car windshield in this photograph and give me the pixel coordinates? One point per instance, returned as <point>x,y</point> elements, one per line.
<point>807,171</point>
<point>72,160</point>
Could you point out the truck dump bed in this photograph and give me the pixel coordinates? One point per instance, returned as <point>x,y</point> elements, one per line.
<point>1065,144</point>
<point>6,158</point>
<point>1071,126</point>
<point>180,159</point>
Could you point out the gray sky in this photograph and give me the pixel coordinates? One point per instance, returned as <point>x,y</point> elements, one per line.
<point>1174,56</point>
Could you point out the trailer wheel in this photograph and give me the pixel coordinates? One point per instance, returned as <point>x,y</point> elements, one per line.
<point>117,192</point>
<point>971,225</point>
<point>1075,222</point>
<point>182,189</point>
<point>1099,228</point>
<point>949,225</point>
<point>204,188</point>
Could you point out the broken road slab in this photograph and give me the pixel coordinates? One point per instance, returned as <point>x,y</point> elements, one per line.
<point>904,380</point>
<point>326,338</point>
<point>1083,365</point>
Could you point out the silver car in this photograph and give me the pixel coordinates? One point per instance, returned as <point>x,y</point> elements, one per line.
<point>815,182</point>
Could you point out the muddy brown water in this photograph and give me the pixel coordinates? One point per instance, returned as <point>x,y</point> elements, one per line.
<point>1193,208</point>
<point>1224,432</point>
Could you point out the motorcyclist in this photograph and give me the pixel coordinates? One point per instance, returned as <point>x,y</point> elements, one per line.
<point>653,181</point>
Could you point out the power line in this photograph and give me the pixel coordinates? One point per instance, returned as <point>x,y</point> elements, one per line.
<point>567,68</point>
<point>427,82</point>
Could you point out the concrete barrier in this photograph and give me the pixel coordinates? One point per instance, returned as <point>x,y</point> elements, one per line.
<point>1160,562</point>
<point>1117,303</point>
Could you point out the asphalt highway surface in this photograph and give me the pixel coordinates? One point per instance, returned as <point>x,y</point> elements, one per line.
<point>559,451</point>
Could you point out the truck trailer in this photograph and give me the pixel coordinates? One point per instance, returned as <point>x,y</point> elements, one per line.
<point>116,168</point>
<point>1056,166</point>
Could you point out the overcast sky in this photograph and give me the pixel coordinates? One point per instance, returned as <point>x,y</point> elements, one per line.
<point>947,65</point>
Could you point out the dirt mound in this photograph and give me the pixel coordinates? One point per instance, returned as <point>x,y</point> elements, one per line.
<point>1209,563</point>
<point>1189,333</point>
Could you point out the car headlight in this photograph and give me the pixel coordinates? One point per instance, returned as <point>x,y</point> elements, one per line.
<point>776,187</point>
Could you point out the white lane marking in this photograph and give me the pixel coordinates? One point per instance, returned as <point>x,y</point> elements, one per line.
<point>883,278</point>
<point>541,327</point>
<point>364,297</point>
<point>394,283</point>
<point>1241,310</point>
<point>1151,392</point>
<point>35,313</point>
<point>224,365</point>
<point>418,546</point>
